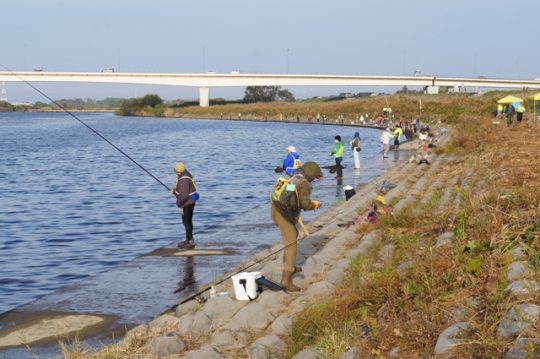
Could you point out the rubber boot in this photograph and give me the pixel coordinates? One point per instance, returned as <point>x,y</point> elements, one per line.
<point>286,282</point>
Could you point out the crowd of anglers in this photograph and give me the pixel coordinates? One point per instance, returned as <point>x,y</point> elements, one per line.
<point>292,192</point>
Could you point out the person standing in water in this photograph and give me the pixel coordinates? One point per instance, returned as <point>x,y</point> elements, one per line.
<point>290,195</point>
<point>186,196</point>
<point>355,146</point>
<point>397,136</point>
<point>337,152</point>
<point>385,139</point>
<point>291,163</point>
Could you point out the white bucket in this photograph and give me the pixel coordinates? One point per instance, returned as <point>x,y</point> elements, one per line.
<point>245,285</point>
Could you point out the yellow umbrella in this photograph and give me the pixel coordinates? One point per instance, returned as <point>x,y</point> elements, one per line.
<point>509,99</point>
<point>535,98</point>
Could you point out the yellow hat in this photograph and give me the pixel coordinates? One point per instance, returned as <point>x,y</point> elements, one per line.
<point>179,167</point>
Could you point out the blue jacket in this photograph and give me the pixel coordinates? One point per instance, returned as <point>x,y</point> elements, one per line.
<point>291,163</point>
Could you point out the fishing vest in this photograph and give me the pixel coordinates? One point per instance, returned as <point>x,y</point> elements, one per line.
<point>285,196</point>
<point>293,163</point>
<point>193,194</point>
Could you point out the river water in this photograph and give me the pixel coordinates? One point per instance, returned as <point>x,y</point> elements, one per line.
<point>72,207</point>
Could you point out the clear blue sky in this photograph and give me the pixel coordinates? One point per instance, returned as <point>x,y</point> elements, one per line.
<point>493,38</point>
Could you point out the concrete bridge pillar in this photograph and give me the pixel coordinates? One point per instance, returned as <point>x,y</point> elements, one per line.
<point>204,99</point>
<point>432,90</point>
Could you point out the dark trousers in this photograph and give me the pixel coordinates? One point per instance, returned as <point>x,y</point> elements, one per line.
<point>339,169</point>
<point>187,219</point>
<point>509,119</point>
<point>519,117</point>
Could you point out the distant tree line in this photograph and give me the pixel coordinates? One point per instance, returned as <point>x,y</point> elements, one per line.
<point>6,107</point>
<point>150,104</point>
<point>109,103</point>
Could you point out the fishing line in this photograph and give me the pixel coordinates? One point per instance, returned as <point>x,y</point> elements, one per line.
<point>86,125</point>
<point>243,269</point>
<point>246,267</point>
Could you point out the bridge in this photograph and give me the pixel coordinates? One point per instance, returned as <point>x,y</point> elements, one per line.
<point>206,81</point>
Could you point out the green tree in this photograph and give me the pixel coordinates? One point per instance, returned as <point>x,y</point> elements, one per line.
<point>267,94</point>
<point>261,93</point>
<point>404,90</point>
<point>285,95</point>
<point>6,106</point>
<point>129,107</point>
<point>40,104</point>
<point>151,100</point>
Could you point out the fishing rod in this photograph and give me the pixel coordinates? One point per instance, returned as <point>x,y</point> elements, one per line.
<point>195,295</point>
<point>63,108</point>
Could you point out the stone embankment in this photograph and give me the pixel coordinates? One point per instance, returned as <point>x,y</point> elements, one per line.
<point>225,328</point>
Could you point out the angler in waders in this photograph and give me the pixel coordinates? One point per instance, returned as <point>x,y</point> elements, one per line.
<point>289,196</point>
<point>186,196</point>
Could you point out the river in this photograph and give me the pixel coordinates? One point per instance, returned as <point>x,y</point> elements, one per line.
<point>72,207</point>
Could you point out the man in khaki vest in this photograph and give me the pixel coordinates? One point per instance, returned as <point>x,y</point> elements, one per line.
<point>290,195</point>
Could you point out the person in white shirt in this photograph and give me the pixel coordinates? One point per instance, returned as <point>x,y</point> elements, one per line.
<point>386,136</point>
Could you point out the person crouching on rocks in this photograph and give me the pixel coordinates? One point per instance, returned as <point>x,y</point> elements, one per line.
<point>289,196</point>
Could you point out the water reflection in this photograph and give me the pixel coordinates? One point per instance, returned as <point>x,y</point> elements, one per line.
<point>340,195</point>
<point>356,178</point>
<point>187,274</point>
<point>386,164</point>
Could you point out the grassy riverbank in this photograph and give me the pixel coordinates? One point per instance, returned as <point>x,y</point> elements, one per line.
<point>401,305</point>
<point>448,108</point>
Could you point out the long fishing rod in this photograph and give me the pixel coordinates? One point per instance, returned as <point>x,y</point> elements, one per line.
<point>243,269</point>
<point>230,275</point>
<point>86,125</point>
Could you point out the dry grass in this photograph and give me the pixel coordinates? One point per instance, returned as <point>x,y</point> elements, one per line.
<point>135,345</point>
<point>449,108</point>
<point>412,299</point>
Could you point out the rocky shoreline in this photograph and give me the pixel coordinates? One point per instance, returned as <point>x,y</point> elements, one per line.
<point>222,327</point>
